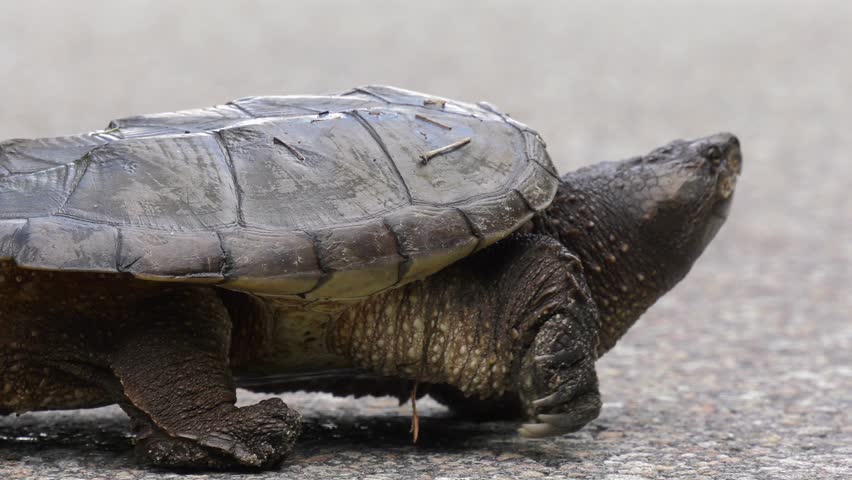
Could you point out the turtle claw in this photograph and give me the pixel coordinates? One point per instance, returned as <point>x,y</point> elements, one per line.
<point>552,400</point>
<point>538,430</point>
<point>546,429</point>
<point>567,356</point>
<point>575,414</point>
<point>581,411</point>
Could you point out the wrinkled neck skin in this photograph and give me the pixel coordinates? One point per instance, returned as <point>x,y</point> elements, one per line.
<point>622,271</point>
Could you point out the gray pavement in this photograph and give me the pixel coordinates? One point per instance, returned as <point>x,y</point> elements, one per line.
<point>744,371</point>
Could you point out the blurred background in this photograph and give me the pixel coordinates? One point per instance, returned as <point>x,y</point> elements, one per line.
<point>743,371</point>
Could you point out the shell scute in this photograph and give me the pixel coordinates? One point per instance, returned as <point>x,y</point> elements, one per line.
<point>169,182</point>
<point>431,238</point>
<point>272,263</point>
<point>304,174</point>
<point>8,245</point>
<point>59,244</point>
<point>358,260</point>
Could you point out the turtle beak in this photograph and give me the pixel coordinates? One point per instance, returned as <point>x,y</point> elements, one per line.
<point>729,170</point>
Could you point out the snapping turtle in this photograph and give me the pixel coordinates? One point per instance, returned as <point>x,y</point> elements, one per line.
<point>287,242</point>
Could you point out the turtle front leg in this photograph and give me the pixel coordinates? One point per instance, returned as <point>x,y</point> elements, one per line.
<point>556,379</point>
<point>171,361</point>
<point>513,325</point>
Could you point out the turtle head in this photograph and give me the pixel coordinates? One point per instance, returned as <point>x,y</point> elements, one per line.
<point>639,224</point>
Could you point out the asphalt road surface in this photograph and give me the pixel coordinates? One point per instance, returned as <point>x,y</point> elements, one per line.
<point>744,371</point>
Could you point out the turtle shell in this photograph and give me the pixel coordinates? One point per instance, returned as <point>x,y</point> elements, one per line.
<point>321,197</point>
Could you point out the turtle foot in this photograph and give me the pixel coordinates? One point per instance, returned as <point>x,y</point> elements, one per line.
<point>560,388</point>
<point>161,450</point>
<point>257,436</point>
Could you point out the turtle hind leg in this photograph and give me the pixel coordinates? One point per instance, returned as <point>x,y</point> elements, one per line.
<point>171,360</point>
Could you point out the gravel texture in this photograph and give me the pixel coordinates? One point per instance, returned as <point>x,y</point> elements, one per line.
<point>743,372</point>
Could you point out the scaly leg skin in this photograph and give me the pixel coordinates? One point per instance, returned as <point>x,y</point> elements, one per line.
<point>178,390</point>
<point>512,328</point>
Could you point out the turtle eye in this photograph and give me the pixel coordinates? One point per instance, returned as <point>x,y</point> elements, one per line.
<point>714,154</point>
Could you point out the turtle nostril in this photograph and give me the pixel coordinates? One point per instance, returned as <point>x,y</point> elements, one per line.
<point>733,156</point>
<point>728,142</point>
